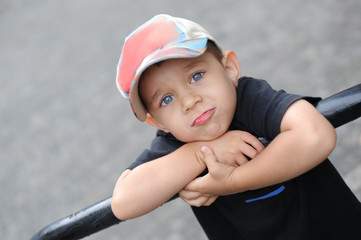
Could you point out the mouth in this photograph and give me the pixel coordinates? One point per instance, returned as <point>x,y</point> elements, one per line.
<point>204,117</point>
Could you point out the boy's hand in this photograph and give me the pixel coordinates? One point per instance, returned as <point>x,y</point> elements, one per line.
<point>234,147</point>
<point>203,191</point>
<point>230,149</point>
<point>197,199</point>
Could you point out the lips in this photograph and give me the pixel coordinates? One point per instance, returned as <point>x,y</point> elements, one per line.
<point>204,117</point>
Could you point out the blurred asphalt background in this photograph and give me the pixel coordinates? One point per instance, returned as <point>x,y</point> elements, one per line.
<point>66,133</point>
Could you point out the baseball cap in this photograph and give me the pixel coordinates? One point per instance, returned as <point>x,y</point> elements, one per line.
<point>162,37</point>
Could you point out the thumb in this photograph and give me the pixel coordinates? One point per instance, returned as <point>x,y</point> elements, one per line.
<point>209,158</point>
<point>197,185</point>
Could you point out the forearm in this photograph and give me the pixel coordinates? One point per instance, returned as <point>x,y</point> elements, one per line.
<point>285,158</point>
<point>151,184</point>
<point>306,139</point>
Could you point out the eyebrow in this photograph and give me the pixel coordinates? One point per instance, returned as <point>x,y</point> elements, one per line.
<point>155,95</point>
<point>193,64</point>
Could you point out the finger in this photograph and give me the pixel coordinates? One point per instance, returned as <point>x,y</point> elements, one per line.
<point>210,200</point>
<point>248,150</point>
<point>195,185</point>
<point>189,195</point>
<point>253,141</point>
<point>201,201</point>
<point>241,159</point>
<point>196,199</point>
<point>256,144</point>
<point>209,157</point>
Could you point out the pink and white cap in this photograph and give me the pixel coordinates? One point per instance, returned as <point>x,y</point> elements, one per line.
<point>162,37</point>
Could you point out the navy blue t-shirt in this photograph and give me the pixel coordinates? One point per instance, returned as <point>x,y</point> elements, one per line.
<point>316,205</point>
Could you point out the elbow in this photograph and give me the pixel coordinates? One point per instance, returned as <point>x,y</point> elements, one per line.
<point>120,207</point>
<point>324,141</point>
<point>117,206</point>
<point>120,204</point>
<point>331,141</point>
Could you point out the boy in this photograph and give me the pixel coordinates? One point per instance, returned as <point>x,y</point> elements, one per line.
<point>178,80</point>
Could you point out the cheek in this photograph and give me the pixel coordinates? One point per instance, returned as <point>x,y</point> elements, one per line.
<point>228,101</point>
<point>177,125</point>
<point>228,94</point>
<point>167,119</point>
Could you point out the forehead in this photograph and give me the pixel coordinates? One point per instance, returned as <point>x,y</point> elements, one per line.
<point>178,64</point>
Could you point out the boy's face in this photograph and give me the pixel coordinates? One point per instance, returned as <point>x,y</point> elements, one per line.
<point>193,98</point>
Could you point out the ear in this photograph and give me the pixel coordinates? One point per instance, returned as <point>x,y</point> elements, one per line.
<point>231,65</point>
<point>151,121</point>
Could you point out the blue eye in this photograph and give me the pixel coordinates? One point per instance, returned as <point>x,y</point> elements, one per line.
<point>166,100</point>
<point>196,77</point>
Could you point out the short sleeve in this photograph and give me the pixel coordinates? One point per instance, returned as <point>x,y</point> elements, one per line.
<point>260,108</point>
<point>163,144</point>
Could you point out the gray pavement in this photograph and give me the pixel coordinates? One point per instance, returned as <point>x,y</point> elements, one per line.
<point>66,134</point>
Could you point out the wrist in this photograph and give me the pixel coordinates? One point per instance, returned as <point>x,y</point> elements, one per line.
<point>238,181</point>
<point>194,149</point>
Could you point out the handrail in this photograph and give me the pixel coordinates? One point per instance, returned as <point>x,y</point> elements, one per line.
<point>339,109</point>
<point>343,107</point>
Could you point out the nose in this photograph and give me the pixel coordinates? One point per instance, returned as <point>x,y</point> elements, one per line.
<point>189,100</point>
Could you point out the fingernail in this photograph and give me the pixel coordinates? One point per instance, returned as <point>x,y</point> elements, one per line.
<point>203,148</point>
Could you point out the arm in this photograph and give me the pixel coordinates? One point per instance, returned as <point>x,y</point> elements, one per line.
<point>151,184</point>
<point>306,139</point>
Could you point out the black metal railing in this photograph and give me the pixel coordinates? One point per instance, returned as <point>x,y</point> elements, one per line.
<point>339,109</point>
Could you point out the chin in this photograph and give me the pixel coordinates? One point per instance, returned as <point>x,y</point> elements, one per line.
<point>215,131</point>
<point>197,138</point>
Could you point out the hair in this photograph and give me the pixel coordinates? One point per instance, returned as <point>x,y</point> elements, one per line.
<point>212,48</point>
